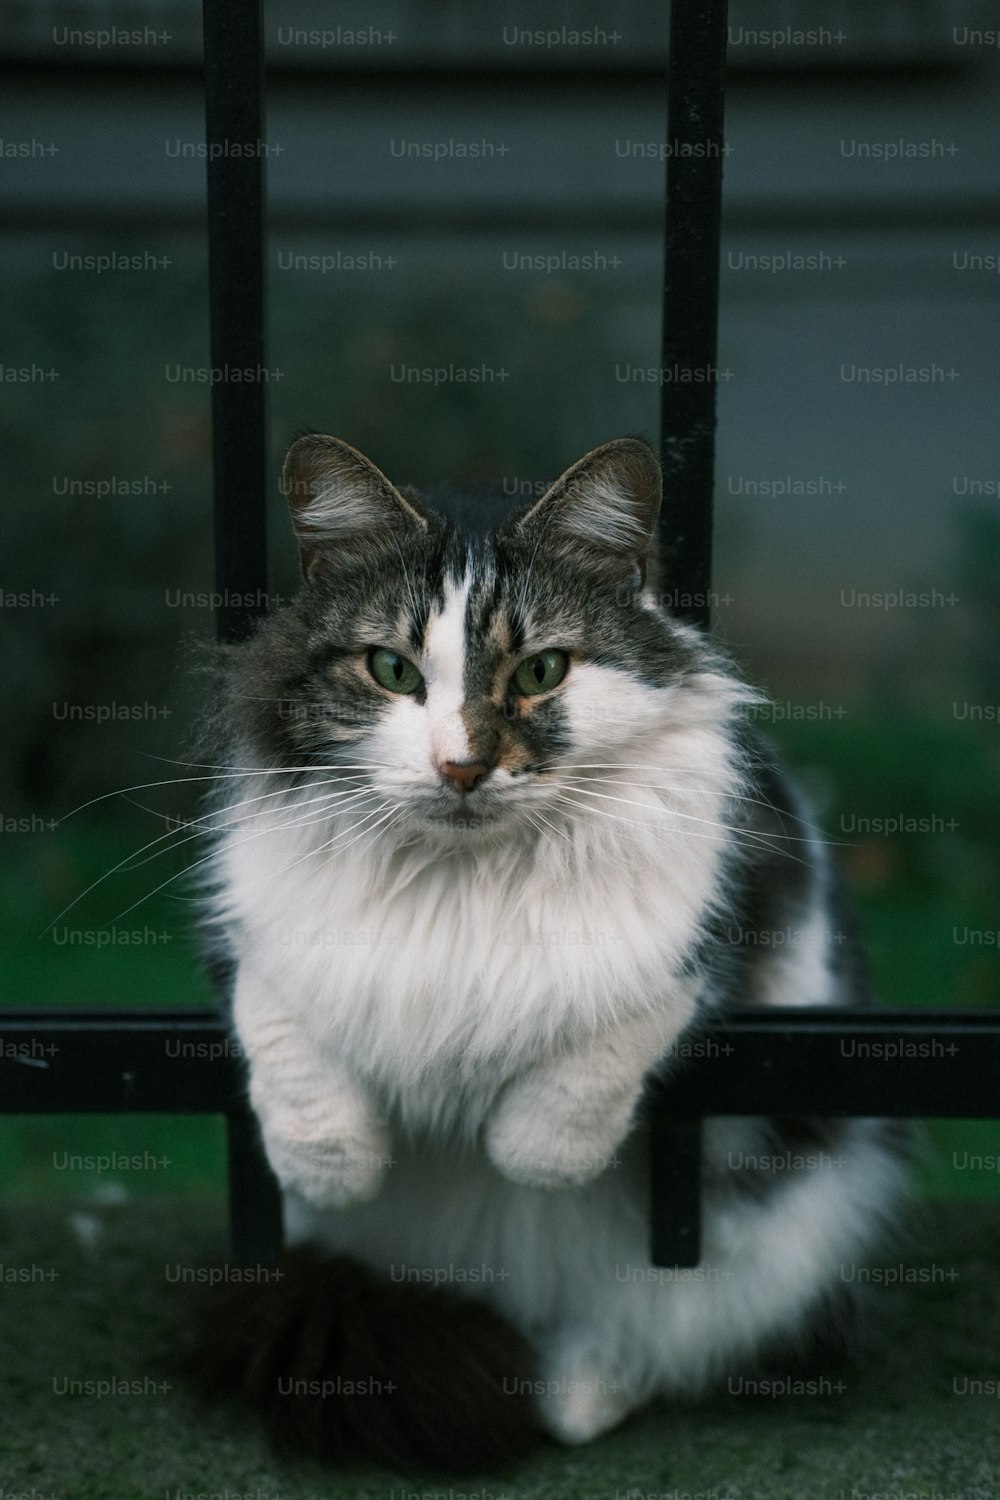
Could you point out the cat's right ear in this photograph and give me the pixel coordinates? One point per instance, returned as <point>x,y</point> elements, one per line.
<point>341,505</point>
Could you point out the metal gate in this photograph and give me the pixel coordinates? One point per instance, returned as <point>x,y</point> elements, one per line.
<point>835,1062</point>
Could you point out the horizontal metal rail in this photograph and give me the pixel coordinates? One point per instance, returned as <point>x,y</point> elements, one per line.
<point>795,1060</point>
<point>792,1061</point>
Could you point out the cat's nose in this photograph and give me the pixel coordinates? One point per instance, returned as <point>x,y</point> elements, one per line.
<point>464,775</point>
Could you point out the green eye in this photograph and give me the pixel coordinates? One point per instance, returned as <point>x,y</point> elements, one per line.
<point>394,672</point>
<point>540,673</point>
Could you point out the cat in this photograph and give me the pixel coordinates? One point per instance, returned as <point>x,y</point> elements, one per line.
<point>497,832</point>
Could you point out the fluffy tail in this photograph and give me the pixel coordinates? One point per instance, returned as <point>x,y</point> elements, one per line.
<point>346,1365</point>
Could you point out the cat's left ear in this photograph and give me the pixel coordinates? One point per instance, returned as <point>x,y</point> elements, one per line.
<point>604,508</point>
<point>341,504</point>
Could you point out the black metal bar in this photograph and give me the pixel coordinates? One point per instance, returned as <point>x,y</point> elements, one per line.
<point>843,1063</point>
<point>108,1062</point>
<point>696,73</point>
<point>689,375</point>
<point>255,1224</point>
<point>675,1197</point>
<point>234,134</point>
<point>422,220</point>
<point>793,1060</point>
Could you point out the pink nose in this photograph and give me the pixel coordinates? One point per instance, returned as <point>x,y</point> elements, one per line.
<point>463,775</point>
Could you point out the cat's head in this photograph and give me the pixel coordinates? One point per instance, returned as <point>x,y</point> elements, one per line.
<point>460,673</point>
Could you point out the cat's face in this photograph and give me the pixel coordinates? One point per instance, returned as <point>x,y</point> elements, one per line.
<point>460,677</point>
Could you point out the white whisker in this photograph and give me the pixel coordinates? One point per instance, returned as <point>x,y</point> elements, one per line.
<point>756,841</point>
<point>322,848</point>
<point>736,795</point>
<point>135,855</point>
<point>294,823</point>
<point>302,770</point>
<point>675,812</point>
<point>536,812</point>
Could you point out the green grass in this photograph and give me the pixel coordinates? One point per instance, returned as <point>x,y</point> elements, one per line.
<point>898,1424</point>
<point>111,1158</point>
<point>917,891</point>
<point>69,937</point>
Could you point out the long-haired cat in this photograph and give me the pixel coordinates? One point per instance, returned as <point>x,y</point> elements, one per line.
<point>498,833</point>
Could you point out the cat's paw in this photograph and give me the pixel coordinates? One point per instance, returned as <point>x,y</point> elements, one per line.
<point>535,1144</point>
<point>328,1171</point>
<point>580,1398</point>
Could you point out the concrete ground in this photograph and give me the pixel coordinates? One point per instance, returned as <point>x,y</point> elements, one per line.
<point>90,1293</point>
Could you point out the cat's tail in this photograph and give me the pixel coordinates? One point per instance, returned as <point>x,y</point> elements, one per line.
<point>347,1365</point>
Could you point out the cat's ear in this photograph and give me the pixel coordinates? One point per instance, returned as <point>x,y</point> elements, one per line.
<point>340,503</point>
<point>604,508</point>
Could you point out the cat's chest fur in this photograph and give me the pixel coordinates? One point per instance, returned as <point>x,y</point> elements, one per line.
<point>457,972</point>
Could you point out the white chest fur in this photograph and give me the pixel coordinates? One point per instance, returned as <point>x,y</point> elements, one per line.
<point>448,973</point>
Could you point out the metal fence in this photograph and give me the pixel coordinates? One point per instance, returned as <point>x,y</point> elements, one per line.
<point>761,1062</point>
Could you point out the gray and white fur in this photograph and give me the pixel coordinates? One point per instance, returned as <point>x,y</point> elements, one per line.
<point>468,921</point>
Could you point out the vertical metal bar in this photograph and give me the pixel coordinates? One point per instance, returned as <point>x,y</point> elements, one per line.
<point>255,1228</point>
<point>234,134</point>
<point>695,103</point>
<point>695,111</point>
<point>675,1167</point>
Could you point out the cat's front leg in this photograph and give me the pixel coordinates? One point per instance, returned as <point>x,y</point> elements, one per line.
<point>561,1123</point>
<point>323,1134</point>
